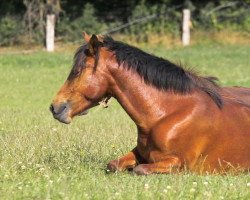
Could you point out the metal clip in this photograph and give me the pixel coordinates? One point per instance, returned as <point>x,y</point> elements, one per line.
<point>104,102</point>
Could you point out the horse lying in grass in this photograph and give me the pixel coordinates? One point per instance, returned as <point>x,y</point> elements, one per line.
<point>183,120</point>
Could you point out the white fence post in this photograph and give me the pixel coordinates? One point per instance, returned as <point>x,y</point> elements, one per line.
<point>186,27</point>
<point>50,32</point>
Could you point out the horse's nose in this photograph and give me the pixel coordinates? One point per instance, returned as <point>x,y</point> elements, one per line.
<point>58,109</point>
<point>61,112</point>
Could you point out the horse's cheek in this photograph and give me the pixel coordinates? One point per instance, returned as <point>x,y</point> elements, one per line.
<point>94,89</point>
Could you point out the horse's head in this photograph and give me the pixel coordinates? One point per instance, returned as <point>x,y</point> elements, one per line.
<point>87,83</point>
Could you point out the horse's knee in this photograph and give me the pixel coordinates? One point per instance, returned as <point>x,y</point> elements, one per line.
<point>141,170</point>
<point>113,166</point>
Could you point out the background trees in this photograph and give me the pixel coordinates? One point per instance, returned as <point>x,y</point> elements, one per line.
<point>23,21</point>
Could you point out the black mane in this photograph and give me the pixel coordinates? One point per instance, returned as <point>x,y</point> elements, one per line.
<point>160,72</point>
<point>156,71</point>
<point>79,61</point>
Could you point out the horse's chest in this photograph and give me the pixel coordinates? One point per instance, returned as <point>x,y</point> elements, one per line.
<point>147,149</point>
<point>153,148</point>
<point>143,146</point>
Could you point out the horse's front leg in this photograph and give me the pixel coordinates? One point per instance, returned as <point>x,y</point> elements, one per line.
<point>128,161</point>
<point>164,166</point>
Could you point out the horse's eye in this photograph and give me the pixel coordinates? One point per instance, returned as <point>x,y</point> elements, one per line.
<point>87,52</point>
<point>76,73</point>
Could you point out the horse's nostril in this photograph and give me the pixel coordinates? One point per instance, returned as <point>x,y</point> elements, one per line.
<point>58,109</point>
<point>51,108</point>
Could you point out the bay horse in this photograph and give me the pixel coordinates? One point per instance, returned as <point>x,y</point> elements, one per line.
<point>184,121</point>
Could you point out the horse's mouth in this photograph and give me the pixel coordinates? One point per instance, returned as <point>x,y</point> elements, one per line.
<point>63,118</point>
<point>85,112</point>
<point>61,113</point>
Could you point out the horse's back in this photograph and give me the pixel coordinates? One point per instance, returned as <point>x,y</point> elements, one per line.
<point>233,138</point>
<point>237,93</point>
<point>236,109</point>
<point>222,136</point>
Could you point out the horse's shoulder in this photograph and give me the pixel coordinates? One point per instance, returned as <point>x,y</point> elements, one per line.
<point>240,95</point>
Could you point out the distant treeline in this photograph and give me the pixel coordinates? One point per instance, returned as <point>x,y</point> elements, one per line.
<point>23,21</point>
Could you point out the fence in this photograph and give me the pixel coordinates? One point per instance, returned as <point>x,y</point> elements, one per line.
<point>185,23</point>
<point>141,22</point>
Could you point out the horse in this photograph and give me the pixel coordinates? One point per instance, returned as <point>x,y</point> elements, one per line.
<point>184,120</point>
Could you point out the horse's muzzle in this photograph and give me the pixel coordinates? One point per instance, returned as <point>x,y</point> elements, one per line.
<point>60,112</point>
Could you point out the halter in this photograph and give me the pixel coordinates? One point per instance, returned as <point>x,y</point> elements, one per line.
<point>105,101</point>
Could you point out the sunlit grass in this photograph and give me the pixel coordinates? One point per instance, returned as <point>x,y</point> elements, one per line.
<point>43,159</point>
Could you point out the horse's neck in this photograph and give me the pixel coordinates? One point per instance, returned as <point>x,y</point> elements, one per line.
<point>145,104</point>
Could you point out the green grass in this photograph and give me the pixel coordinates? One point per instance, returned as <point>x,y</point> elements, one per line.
<point>43,159</point>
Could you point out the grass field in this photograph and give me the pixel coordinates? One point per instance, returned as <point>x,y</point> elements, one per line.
<point>41,158</point>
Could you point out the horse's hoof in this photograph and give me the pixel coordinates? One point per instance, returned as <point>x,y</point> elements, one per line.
<point>112,166</point>
<point>141,170</point>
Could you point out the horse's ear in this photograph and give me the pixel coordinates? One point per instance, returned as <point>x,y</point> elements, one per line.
<point>86,36</point>
<point>93,44</point>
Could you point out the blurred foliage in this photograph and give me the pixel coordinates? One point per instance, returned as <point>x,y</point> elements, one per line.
<point>72,30</point>
<point>142,18</point>
<point>9,30</point>
<point>224,16</point>
<point>156,19</point>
